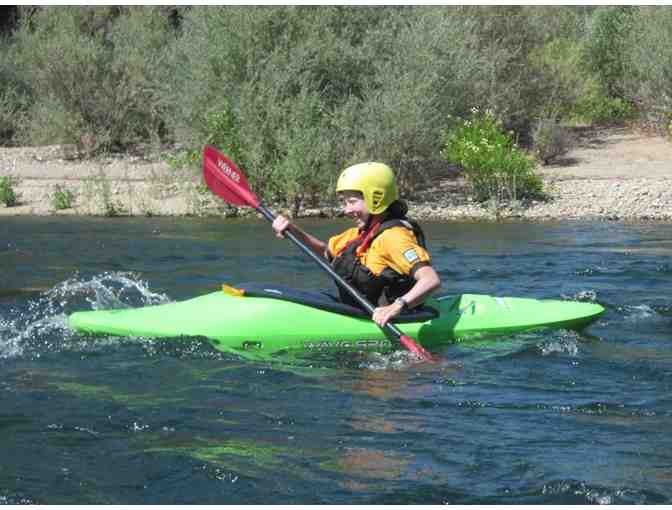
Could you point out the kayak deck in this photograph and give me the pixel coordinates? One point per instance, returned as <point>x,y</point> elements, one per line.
<point>277,323</point>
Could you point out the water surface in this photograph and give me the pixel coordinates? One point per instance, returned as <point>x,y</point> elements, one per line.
<point>553,417</point>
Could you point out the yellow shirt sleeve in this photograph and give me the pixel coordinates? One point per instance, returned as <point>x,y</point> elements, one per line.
<point>398,249</point>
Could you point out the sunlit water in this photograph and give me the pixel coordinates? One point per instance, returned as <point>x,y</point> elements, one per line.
<point>556,417</point>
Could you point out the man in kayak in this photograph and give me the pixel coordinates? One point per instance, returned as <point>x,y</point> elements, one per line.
<point>384,255</point>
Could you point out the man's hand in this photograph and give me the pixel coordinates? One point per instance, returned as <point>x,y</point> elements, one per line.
<point>280,224</point>
<point>383,314</point>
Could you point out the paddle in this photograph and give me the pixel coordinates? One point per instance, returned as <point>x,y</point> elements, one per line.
<point>225,180</point>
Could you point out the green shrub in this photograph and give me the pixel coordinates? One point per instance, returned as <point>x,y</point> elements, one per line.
<point>430,68</point>
<point>595,107</point>
<point>62,198</point>
<point>606,46</point>
<point>493,164</point>
<point>7,193</point>
<point>295,93</point>
<point>14,99</point>
<point>253,75</point>
<point>648,80</point>
<point>549,140</point>
<point>300,92</point>
<point>514,89</point>
<point>94,75</point>
<point>12,107</point>
<point>563,78</point>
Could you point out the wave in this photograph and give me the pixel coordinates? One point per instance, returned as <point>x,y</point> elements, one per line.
<point>40,325</point>
<point>580,492</point>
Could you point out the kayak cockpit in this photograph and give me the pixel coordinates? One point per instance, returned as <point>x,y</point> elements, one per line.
<point>324,300</point>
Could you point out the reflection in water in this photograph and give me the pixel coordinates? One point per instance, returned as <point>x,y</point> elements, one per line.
<point>363,464</point>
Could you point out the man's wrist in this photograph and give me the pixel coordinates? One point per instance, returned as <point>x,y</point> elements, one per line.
<point>401,302</point>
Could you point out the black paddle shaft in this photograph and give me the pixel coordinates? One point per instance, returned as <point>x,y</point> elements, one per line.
<point>324,265</point>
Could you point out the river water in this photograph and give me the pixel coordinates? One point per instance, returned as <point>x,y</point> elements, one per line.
<point>553,417</point>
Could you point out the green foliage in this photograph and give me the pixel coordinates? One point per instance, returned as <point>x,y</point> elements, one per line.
<point>597,108</point>
<point>550,140</point>
<point>559,64</point>
<point>295,93</point>
<point>7,193</point>
<point>493,164</point>
<point>554,22</point>
<point>575,89</point>
<point>12,107</point>
<point>62,198</point>
<point>13,96</point>
<point>94,75</point>
<point>514,89</point>
<point>305,91</point>
<point>428,67</point>
<point>606,46</point>
<point>265,83</point>
<point>648,80</point>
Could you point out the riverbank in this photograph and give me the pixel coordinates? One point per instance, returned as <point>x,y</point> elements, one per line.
<point>610,174</point>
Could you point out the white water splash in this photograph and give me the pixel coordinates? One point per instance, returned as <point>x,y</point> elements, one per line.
<point>108,291</point>
<point>593,494</point>
<point>42,324</point>
<point>396,360</point>
<point>638,312</point>
<point>9,345</point>
<point>565,342</point>
<point>588,296</point>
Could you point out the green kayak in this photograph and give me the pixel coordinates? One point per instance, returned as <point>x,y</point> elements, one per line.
<point>271,318</point>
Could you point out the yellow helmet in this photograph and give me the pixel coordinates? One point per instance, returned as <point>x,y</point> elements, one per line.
<point>375,181</point>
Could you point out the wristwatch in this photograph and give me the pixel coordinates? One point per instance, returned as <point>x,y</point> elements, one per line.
<point>401,301</point>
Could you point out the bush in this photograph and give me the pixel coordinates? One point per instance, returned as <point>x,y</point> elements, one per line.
<point>94,75</point>
<point>430,68</point>
<point>7,193</point>
<point>296,93</point>
<point>595,107</point>
<point>606,46</point>
<point>14,99</point>
<point>62,198</point>
<point>513,89</point>
<point>493,164</point>
<point>549,140</point>
<point>648,80</point>
<point>262,82</point>
<point>12,107</point>
<point>563,78</point>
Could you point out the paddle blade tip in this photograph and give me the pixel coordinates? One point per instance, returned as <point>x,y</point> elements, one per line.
<point>416,349</point>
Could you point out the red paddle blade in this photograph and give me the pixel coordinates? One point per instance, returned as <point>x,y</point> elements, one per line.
<point>408,342</point>
<point>225,179</point>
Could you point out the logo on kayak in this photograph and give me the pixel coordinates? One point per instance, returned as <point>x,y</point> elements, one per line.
<point>324,345</point>
<point>228,171</point>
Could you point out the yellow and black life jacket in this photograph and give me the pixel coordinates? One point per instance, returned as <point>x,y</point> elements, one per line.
<point>381,289</point>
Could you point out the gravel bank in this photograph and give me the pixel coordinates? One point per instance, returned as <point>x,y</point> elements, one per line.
<point>612,174</point>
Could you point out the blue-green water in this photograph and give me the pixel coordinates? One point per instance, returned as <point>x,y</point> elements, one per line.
<point>555,417</point>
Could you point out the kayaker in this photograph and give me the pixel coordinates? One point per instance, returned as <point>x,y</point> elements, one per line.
<point>384,256</point>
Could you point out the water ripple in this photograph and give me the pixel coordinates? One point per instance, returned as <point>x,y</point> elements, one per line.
<point>576,491</point>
